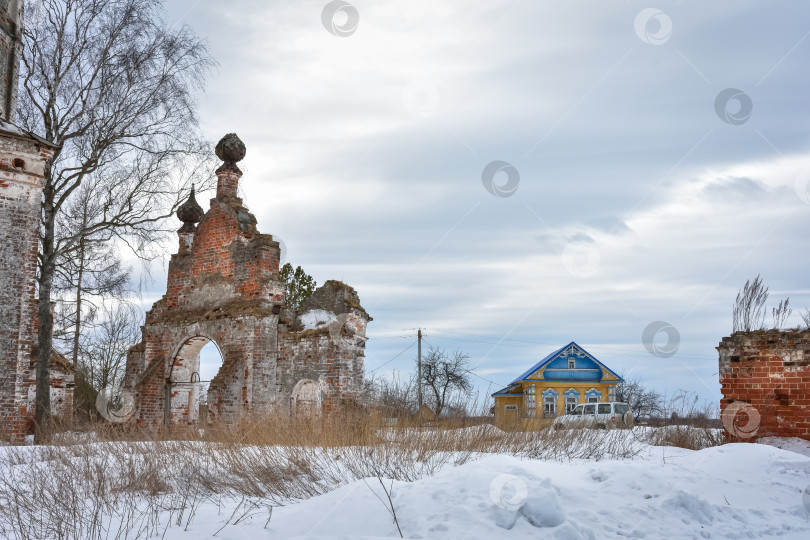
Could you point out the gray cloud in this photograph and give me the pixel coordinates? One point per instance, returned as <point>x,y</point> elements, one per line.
<point>617,143</point>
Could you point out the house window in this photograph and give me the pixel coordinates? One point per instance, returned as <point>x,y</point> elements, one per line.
<point>531,401</point>
<point>593,399</point>
<point>611,393</point>
<point>572,363</point>
<point>570,403</point>
<point>550,406</point>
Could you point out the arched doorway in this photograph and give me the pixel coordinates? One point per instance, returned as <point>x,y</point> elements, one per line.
<point>195,364</point>
<point>306,399</point>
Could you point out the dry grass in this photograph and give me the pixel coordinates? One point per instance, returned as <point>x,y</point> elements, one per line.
<point>121,485</point>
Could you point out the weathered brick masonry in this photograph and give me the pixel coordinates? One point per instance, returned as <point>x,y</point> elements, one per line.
<point>22,162</point>
<point>768,374</point>
<point>22,165</point>
<point>224,286</point>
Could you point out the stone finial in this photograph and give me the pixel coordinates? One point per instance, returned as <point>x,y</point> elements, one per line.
<point>190,213</point>
<point>230,149</point>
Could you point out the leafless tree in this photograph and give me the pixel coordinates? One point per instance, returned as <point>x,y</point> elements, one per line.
<point>92,273</point>
<point>105,355</point>
<point>444,375</point>
<point>781,313</point>
<point>103,351</point>
<point>395,397</point>
<point>113,87</point>
<point>643,401</point>
<point>749,307</point>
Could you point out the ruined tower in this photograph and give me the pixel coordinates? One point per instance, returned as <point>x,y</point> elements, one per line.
<point>22,166</point>
<point>224,286</point>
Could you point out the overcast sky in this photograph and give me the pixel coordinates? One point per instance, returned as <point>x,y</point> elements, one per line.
<point>652,158</point>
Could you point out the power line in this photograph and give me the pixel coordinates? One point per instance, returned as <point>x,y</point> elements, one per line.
<point>394,358</point>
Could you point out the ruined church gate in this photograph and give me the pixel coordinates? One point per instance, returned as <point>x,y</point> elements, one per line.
<point>224,286</point>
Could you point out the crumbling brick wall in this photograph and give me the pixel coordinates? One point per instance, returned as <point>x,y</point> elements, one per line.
<point>22,164</point>
<point>765,378</point>
<point>224,286</point>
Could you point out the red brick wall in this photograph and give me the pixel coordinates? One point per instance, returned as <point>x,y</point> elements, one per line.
<point>765,378</point>
<point>20,191</point>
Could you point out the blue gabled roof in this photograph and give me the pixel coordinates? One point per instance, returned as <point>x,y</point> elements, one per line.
<point>505,391</point>
<point>551,357</point>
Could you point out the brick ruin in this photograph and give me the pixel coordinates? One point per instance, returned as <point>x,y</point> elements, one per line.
<point>22,166</point>
<point>765,378</point>
<point>224,286</point>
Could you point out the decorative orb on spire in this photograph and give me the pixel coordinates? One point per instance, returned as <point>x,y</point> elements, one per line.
<point>230,149</point>
<point>190,213</point>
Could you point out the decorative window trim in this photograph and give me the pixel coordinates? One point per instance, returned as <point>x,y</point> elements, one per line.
<point>593,393</point>
<point>531,400</point>
<point>550,403</point>
<point>570,393</point>
<point>572,362</point>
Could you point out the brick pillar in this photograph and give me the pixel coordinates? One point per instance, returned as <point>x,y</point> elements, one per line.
<point>186,241</point>
<point>21,167</point>
<point>227,183</point>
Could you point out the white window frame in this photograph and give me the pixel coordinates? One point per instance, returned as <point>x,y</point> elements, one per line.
<point>570,403</point>
<point>572,363</point>
<point>550,405</point>
<point>531,400</point>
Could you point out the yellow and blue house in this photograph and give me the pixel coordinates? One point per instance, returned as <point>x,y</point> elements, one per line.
<point>553,386</point>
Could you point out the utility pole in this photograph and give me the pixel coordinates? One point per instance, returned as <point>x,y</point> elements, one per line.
<point>419,369</point>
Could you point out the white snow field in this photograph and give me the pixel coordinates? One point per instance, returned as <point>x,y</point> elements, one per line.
<point>729,491</point>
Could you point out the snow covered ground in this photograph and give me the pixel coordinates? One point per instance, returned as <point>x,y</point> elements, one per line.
<point>730,491</point>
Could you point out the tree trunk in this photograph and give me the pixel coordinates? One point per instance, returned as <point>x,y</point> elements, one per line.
<point>77,329</point>
<point>45,335</point>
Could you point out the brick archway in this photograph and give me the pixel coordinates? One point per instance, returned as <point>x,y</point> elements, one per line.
<point>224,286</point>
<point>306,399</point>
<point>185,383</point>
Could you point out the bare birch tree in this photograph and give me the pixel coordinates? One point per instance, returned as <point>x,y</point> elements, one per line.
<point>444,375</point>
<point>113,87</point>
